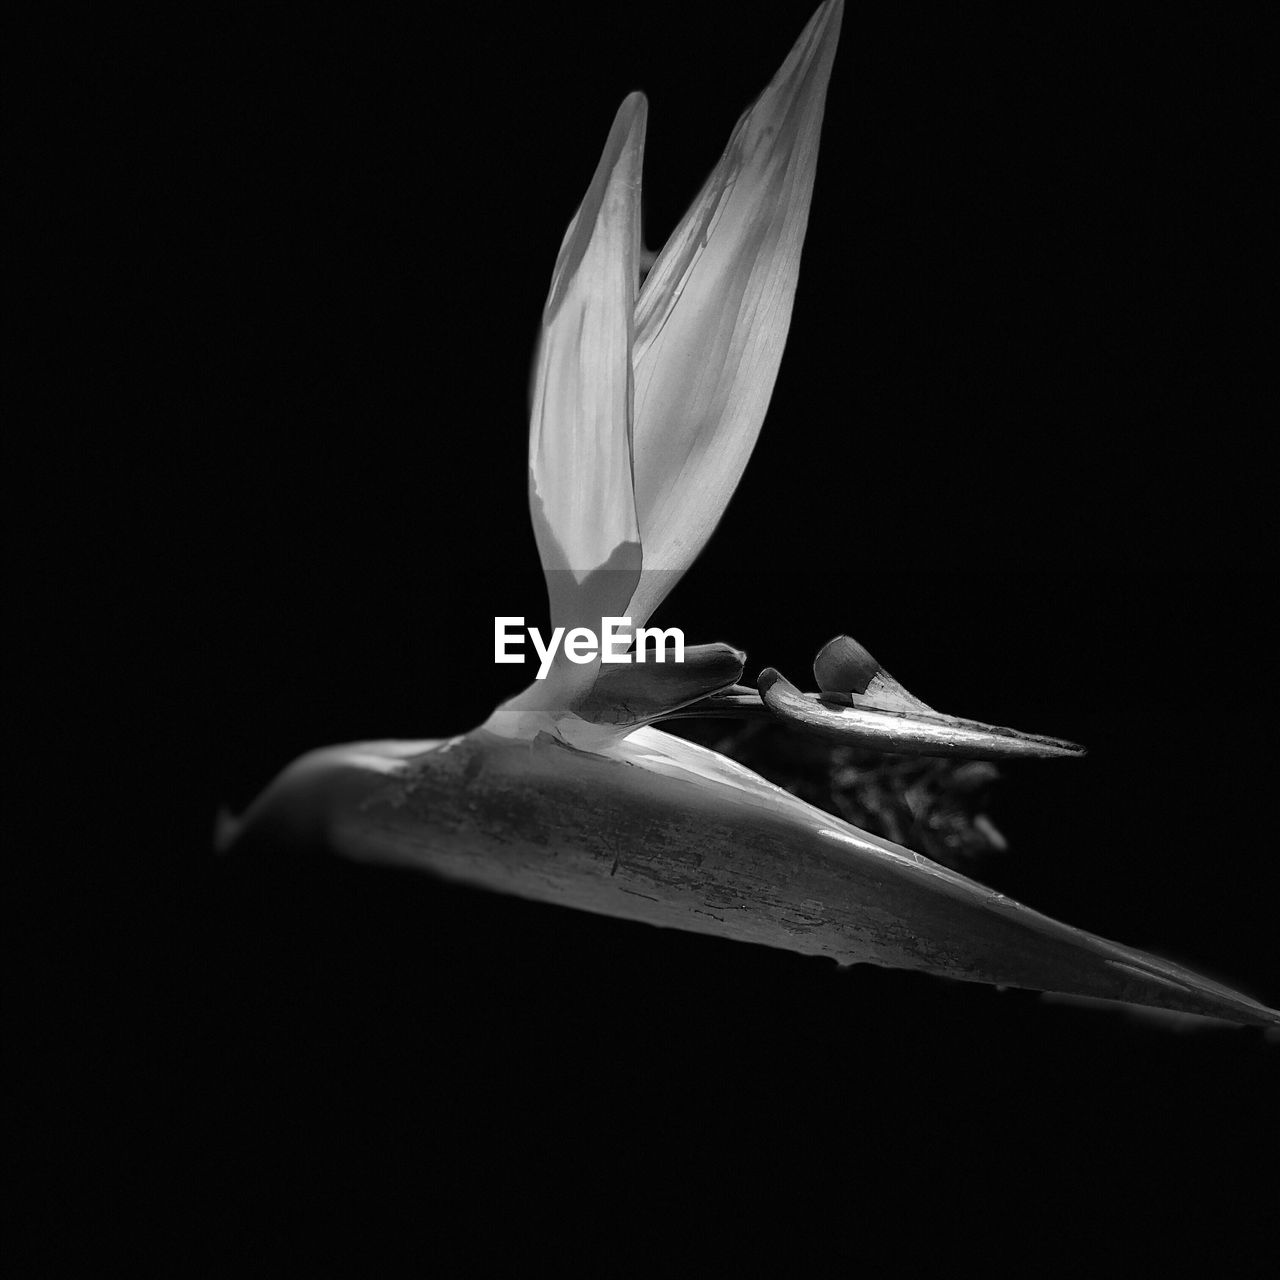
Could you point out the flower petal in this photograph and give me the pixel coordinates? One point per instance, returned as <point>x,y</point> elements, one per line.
<point>713,315</point>
<point>631,695</point>
<point>581,494</point>
<point>862,724</point>
<point>844,667</point>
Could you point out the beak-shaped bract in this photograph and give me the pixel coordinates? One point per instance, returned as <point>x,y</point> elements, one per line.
<point>667,832</point>
<point>646,409</point>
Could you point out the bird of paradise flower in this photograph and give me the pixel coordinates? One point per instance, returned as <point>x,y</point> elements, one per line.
<point>648,397</point>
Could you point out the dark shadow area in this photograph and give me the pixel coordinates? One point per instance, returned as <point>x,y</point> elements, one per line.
<point>276,496</point>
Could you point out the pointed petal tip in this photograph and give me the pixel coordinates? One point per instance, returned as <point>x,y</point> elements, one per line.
<point>1171,1020</point>
<point>617,172</point>
<point>634,102</point>
<point>799,86</point>
<point>1155,982</point>
<point>819,38</point>
<point>829,17</point>
<point>630,122</point>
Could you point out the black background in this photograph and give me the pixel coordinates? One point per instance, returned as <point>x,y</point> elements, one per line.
<point>273,496</point>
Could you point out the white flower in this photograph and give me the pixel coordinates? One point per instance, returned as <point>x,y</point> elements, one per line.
<point>647,401</point>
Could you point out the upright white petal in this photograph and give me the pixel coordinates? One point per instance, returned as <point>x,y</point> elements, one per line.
<point>712,318</point>
<point>581,494</point>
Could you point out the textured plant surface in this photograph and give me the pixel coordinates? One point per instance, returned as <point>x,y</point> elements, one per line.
<point>648,397</point>
<point>935,806</point>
